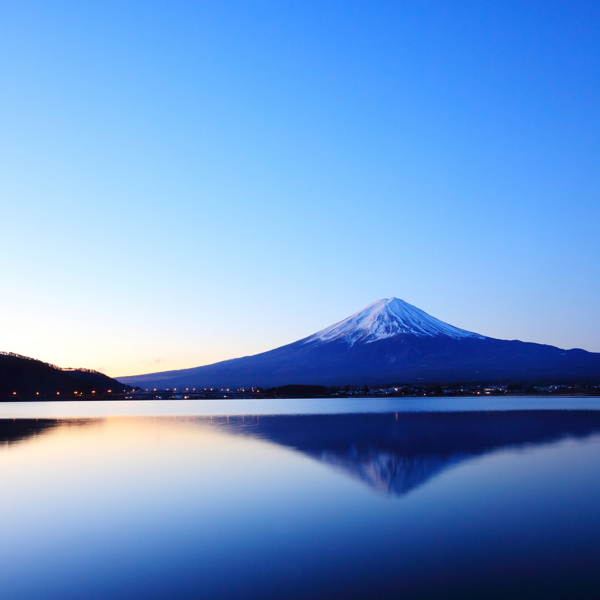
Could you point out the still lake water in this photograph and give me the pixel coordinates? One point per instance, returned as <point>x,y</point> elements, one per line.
<point>404,498</point>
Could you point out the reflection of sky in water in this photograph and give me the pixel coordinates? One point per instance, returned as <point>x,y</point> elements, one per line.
<point>178,508</point>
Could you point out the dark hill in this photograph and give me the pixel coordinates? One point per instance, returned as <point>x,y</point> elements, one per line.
<point>24,378</point>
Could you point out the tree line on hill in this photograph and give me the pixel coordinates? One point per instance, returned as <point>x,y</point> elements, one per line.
<point>25,378</point>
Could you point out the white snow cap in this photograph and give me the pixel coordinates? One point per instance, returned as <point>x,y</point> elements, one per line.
<point>386,318</point>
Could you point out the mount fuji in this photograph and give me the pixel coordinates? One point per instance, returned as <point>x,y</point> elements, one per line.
<point>389,341</point>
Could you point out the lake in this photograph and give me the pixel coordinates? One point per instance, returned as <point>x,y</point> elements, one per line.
<point>363,498</point>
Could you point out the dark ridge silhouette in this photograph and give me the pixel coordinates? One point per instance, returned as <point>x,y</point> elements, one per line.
<point>24,378</point>
<point>396,453</point>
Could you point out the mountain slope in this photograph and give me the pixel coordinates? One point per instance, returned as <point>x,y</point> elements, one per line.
<point>390,341</point>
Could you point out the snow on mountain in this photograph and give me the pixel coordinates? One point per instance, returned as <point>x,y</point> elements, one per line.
<point>386,318</point>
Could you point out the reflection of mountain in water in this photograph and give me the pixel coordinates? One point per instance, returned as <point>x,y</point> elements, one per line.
<point>396,453</point>
<point>386,472</point>
<point>17,430</point>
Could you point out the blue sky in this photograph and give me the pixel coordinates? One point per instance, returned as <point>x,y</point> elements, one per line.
<point>184,182</point>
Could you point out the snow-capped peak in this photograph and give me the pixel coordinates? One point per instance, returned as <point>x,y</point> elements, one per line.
<point>386,318</point>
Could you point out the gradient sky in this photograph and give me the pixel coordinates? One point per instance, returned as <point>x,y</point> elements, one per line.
<point>185,182</point>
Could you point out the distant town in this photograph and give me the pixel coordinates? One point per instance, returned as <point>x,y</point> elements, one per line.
<point>317,391</point>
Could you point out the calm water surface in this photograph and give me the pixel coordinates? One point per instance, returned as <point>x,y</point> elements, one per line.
<point>460,498</point>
